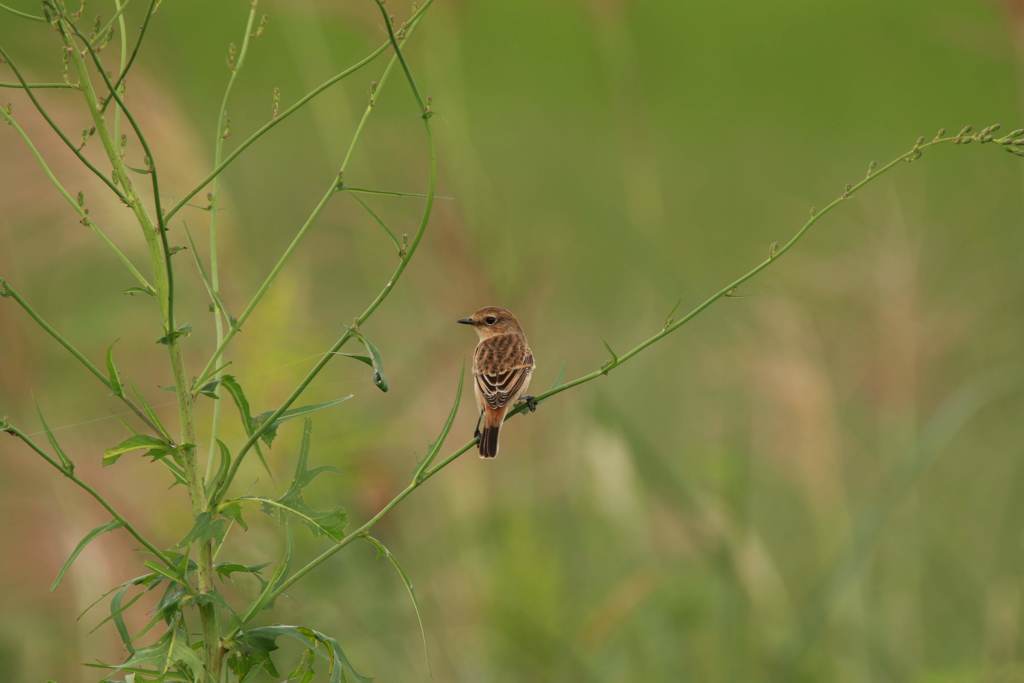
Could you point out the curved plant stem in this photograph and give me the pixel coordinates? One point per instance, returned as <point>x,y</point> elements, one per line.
<point>262,130</point>
<point>23,15</point>
<point>7,291</point>
<point>78,208</point>
<point>17,433</point>
<point>669,327</point>
<point>131,59</point>
<point>56,129</point>
<point>39,86</point>
<point>403,262</point>
<point>336,184</point>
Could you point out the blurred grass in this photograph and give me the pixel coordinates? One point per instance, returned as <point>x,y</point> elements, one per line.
<point>679,521</point>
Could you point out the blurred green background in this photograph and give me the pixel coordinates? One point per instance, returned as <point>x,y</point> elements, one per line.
<point>821,479</point>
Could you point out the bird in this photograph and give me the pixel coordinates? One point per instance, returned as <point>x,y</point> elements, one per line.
<point>502,366</point>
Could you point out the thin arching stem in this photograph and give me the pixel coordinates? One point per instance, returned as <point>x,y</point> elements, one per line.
<point>302,101</point>
<point>403,262</point>
<point>56,129</point>
<point>669,327</point>
<point>128,526</point>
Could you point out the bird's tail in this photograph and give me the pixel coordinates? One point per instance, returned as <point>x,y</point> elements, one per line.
<point>488,443</point>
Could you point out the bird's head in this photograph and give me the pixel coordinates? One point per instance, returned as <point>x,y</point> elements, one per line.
<point>490,321</point>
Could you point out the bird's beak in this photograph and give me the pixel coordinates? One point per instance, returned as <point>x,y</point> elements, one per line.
<point>465,321</point>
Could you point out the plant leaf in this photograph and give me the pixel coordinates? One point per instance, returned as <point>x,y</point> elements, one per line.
<point>270,432</point>
<point>383,550</point>
<point>115,377</point>
<point>86,540</point>
<point>157,448</point>
<point>226,569</point>
<point>256,644</point>
<point>377,362</point>
<point>439,441</point>
<point>222,468</point>
<point>117,614</point>
<point>171,337</point>
<point>69,467</point>
<point>249,424</point>
<point>207,527</point>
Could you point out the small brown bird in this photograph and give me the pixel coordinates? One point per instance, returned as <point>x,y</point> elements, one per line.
<point>502,365</point>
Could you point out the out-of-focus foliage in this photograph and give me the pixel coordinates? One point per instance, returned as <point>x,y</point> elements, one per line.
<point>819,479</point>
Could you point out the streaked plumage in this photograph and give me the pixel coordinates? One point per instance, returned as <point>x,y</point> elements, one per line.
<point>502,366</point>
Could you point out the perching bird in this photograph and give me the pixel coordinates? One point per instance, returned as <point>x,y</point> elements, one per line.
<point>502,365</point>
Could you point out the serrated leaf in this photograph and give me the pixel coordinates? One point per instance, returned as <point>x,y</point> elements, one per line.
<point>69,467</point>
<point>249,424</point>
<point>330,522</point>
<point>157,448</point>
<point>170,337</point>
<point>207,527</point>
<point>227,569</point>
<point>115,377</point>
<point>86,540</point>
<point>270,433</point>
<point>257,643</point>
<point>233,510</point>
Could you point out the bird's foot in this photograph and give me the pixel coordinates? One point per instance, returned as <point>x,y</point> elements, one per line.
<point>530,402</point>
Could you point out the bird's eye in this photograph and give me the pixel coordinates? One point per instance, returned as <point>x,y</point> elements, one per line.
<point>490,320</point>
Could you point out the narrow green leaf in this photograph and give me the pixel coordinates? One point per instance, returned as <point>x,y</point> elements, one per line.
<point>132,291</point>
<point>115,377</point>
<point>439,441</point>
<point>386,552</point>
<point>65,461</point>
<point>117,614</point>
<point>86,540</point>
<point>378,362</point>
<point>249,424</point>
<point>164,572</point>
<point>156,448</point>
<point>150,413</point>
<point>223,466</point>
<point>264,601</point>
<point>210,291</point>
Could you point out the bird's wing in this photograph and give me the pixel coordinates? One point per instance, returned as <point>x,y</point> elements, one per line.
<point>502,370</point>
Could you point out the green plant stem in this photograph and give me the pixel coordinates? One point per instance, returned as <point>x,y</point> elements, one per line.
<point>23,15</point>
<point>349,332</point>
<point>668,328</point>
<point>56,129</point>
<point>156,239</point>
<point>135,53</point>
<point>39,86</point>
<point>123,40</point>
<point>79,209</point>
<point>119,18</point>
<point>7,290</point>
<point>205,374</point>
<point>218,154</point>
<point>262,130</point>
<point>128,526</point>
